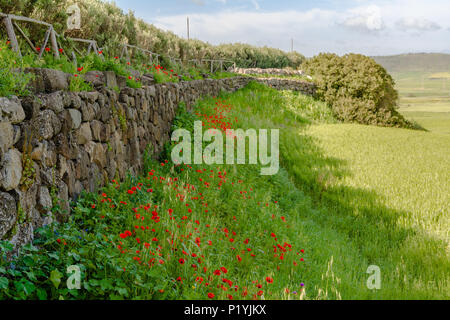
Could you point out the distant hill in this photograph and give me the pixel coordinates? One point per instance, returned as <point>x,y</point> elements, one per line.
<point>423,62</point>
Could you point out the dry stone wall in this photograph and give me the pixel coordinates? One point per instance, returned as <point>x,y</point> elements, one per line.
<point>57,143</point>
<point>272,71</point>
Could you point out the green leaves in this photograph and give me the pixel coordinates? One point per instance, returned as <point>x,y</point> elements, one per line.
<point>4,282</point>
<point>55,278</point>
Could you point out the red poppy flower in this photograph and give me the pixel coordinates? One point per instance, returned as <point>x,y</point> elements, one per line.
<point>181,261</point>
<point>269,280</point>
<point>211,295</point>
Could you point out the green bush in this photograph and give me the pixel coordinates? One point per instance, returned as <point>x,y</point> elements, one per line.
<point>357,89</point>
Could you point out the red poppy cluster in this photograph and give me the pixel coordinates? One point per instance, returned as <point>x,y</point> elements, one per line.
<point>182,236</point>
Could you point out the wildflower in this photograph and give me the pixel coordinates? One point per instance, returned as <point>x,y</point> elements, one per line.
<point>269,280</point>
<point>60,50</point>
<point>211,295</point>
<point>181,261</point>
<point>47,49</point>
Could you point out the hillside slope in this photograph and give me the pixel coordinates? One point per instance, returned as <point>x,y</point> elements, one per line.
<point>426,62</point>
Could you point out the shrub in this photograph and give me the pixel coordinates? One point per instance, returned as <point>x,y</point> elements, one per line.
<point>356,88</point>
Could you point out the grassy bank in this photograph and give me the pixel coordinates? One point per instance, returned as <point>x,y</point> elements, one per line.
<point>346,197</point>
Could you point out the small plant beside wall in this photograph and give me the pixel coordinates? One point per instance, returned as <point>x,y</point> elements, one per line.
<point>28,171</point>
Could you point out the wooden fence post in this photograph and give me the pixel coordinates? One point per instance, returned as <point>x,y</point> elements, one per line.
<point>54,43</point>
<point>47,35</point>
<point>12,35</point>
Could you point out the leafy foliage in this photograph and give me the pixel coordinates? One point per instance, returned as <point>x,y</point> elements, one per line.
<point>357,89</point>
<point>12,80</point>
<point>110,27</point>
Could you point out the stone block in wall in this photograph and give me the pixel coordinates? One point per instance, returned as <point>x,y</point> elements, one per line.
<point>55,101</point>
<point>66,145</point>
<point>121,82</point>
<point>82,163</point>
<point>48,80</point>
<point>96,153</point>
<point>44,200</point>
<point>8,213</point>
<point>111,79</point>
<point>11,110</point>
<point>10,169</point>
<point>88,112</point>
<point>45,153</point>
<point>84,133</point>
<point>45,126</point>
<point>6,137</point>
<point>95,78</point>
<point>70,119</point>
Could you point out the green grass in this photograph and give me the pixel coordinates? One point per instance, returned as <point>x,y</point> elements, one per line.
<point>383,192</point>
<point>420,93</point>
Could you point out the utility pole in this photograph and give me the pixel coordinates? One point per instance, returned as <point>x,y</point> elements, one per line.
<point>188,35</point>
<point>292,44</point>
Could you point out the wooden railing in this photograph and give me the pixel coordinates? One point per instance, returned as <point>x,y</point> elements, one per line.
<point>10,22</point>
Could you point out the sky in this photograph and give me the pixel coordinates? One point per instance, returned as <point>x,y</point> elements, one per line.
<point>381,27</point>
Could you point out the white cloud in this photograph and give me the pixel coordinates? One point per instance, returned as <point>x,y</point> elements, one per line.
<point>365,19</point>
<point>417,24</point>
<point>316,30</point>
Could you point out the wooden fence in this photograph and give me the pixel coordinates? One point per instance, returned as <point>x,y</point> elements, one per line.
<point>10,22</point>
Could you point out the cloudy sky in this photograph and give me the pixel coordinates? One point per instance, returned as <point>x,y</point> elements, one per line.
<point>380,27</point>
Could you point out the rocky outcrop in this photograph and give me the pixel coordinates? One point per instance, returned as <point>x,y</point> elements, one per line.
<point>69,142</point>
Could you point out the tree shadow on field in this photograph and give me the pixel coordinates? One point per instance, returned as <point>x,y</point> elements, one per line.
<point>361,216</point>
